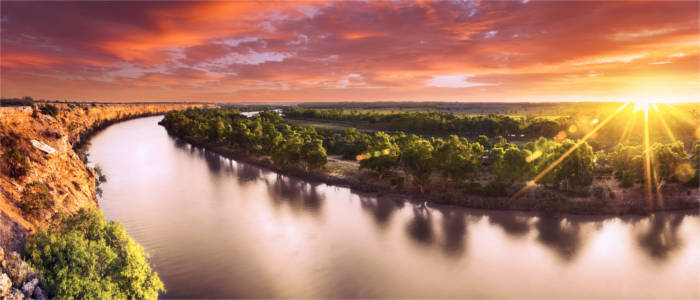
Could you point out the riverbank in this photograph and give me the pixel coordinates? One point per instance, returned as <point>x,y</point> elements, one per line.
<point>345,173</point>
<point>44,148</point>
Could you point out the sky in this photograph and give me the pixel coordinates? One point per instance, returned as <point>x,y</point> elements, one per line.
<point>296,51</point>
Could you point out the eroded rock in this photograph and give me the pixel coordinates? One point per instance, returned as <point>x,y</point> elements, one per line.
<point>39,294</point>
<point>5,284</point>
<point>29,286</point>
<point>14,294</point>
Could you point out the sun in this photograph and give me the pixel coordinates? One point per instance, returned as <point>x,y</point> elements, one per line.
<point>645,104</point>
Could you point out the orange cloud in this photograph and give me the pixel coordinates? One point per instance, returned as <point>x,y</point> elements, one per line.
<point>299,51</point>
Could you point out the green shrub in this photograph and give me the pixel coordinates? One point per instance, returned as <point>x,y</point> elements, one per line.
<point>495,189</point>
<point>473,187</point>
<point>35,197</point>
<point>84,256</point>
<point>549,200</point>
<point>16,164</point>
<point>625,177</point>
<point>397,180</point>
<point>49,109</point>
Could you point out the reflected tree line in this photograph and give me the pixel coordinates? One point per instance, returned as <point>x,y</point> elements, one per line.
<point>659,239</point>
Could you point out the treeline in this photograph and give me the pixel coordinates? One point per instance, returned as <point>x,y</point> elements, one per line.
<point>480,165</point>
<point>437,122</point>
<point>264,134</point>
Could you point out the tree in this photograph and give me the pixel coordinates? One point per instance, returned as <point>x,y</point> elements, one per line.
<point>83,256</point>
<point>313,154</point>
<point>270,116</point>
<point>270,139</point>
<point>417,160</point>
<point>457,158</point>
<point>382,154</point>
<point>354,143</point>
<point>513,165</point>
<point>666,158</point>
<point>577,168</point>
<point>289,151</point>
<point>483,140</point>
<point>216,130</point>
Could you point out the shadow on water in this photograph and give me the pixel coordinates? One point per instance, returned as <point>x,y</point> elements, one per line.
<point>298,194</point>
<point>560,234</point>
<point>246,173</point>
<point>213,160</point>
<point>512,223</point>
<point>454,228</point>
<point>380,209</point>
<point>662,238</point>
<point>420,228</point>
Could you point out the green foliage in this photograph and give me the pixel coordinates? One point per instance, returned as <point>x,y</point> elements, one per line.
<point>495,189</point>
<point>566,164</point>
<point>264,133</point>
<point>49,109</point>
<point>313,154</point>
<point>667,158</point>
<point>353,143</point>
<point>625,177</point>
<point>86,257</point>
<point>16,164</point>
<point>431,122</point>
<point>417,160</point>
<point>35,198</point>
<point>456,158</point>
<point>483,140</point>
<point>382,154</point>
<point>577,168</point>
<point>513,165</point>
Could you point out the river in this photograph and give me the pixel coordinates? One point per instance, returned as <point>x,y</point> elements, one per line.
<point>218,228</point>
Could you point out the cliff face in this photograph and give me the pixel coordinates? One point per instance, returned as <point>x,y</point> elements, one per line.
<point>45,143</point>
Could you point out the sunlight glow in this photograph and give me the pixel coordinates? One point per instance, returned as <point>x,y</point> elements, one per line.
<point>567,153</point>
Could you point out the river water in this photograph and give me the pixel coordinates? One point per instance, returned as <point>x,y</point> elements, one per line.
<point>218,228</point>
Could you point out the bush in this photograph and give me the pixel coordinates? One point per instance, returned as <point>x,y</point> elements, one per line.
<point>84,256</point>
<point>35,197</point>
<point>495,189</point>
<point>626,178</point>
<point>473,187</point>
<point>549,200</point>
<point>396,180</point>
<point>49,109</point>
<point>16,164</point>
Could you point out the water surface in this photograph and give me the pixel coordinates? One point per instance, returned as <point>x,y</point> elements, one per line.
<point>218,228</point>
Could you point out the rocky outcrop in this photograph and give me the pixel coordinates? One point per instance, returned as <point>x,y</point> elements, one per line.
<point>18,280</point>
<point>47,145</point>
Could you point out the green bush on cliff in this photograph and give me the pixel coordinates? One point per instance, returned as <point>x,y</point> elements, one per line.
<point>16,163</point>
<point>35,197</point>
<point>84,256</point>
<point>49,109</point>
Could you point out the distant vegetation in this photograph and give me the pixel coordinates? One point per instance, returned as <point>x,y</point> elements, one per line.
<point>84,256</point>
<point>478,166</point>
<point>437,122</point>
<point>24,101</point>
<point>519,127</point>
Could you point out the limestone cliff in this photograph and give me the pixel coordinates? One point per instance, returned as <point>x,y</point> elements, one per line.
<point>46,144</point>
